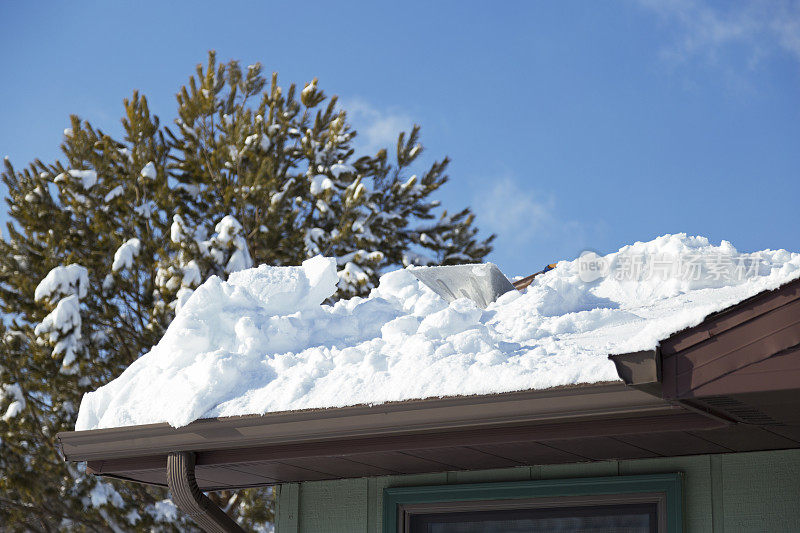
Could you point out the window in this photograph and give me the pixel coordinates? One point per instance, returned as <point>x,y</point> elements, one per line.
<point>625,504</point>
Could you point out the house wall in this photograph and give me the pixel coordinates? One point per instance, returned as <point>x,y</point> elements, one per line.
<point>737,492</point>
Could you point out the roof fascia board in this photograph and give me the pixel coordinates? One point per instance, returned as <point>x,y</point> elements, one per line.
<point>558,404</point>
<point>676,420</point>
<point>731,317</point>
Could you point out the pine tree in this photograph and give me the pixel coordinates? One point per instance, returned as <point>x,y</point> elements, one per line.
<point>106,244</point>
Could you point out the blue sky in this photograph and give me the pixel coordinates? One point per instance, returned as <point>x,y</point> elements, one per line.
<point>571,125</point>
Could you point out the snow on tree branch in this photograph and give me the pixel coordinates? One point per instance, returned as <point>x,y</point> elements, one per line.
<point>228,247</point>
<point>63,281</point>
<point>17,404</point>
<point>63,328</point>
<point>65,286</point>
<point>125,254</point>
<point>88,178</point>
<point>149,171</point>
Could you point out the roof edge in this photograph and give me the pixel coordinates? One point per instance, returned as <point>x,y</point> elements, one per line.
<point>608,399</point>
<point>732,316</point>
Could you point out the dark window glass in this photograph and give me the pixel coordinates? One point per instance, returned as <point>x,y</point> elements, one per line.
<point>640,518</point>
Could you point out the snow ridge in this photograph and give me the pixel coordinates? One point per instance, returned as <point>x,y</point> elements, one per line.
<point>262,342</point>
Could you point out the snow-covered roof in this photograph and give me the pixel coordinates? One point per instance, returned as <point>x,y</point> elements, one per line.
<point>261,342</point>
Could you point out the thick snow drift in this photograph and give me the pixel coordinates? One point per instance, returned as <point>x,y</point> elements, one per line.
<point>262,343</point>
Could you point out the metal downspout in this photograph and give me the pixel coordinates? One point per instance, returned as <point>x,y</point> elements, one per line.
<point>188,497</point>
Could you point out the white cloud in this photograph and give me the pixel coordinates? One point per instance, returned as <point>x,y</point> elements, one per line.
<point>513,212</point>
<point>760,28</point>
<point>377,128</point>
<point>532,227</point>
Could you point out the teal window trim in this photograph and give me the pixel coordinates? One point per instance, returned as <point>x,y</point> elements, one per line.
<point>668,484</point>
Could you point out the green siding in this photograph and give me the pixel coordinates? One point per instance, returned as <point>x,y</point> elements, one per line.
<point>341,502</point>
<point>760,492</point>
<point>742,492</point>
<point>696,485</point>
<point>288,507</point>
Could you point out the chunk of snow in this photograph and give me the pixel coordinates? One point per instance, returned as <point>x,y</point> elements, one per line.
<point>227,228</point>
<point>146,209</point>
<point>338,169</point>
<point>186,128</point>
<point>261,140</point>
<point>191,274</point>
<point>63,281</point>
<point>14,409</point>
<point>308,89</point>
<point>80,198</point>
<point>12,390</point>
<point>63,327</point>
<point>149,171</point>
<point>239,260</point>
<point>165,510</point>
<point>181,297</point>
<point>229,236</point>
<point>132,517</point>
<point>176,230</point>
<point>191,189</point>
<point>353,274</point>
<point>124,152</point>
<point>260,342</point>
<point>104,493</point>
<point>286,290</point>
<point>113,193</point>
<point>63,319</point>
<point>88,177</point>
<point>123,257</point>
<point>409,183</point>
<point>359,190</point>
<point>320,183</point>
<point>460,316</point>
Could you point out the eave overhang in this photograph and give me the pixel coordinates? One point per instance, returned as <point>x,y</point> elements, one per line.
<point>729,384</point>
<point>351,432</point>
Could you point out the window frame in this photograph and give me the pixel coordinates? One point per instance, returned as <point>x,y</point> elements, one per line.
<point>665,490</point>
